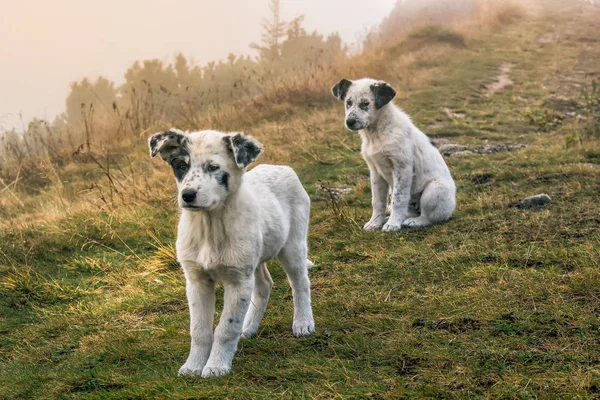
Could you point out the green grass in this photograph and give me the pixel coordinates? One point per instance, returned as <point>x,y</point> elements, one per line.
<point>496,303</point>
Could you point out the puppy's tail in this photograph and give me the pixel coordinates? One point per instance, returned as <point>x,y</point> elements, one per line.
<point>309,264</point>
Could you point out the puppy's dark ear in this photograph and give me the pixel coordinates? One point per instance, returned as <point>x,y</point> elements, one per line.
<point>244,149</point>
<point>384,93</point>
<point>340,90</point>
<point>167,143</point>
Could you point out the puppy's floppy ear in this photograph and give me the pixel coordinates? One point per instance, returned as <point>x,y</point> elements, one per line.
<point>167,143</point>
<point>340,89</point>
<point>244,149</point>
<point>384,93</point>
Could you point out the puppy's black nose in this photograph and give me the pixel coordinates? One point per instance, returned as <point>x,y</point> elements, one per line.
<point>188,195</point>
<point>350,122</point>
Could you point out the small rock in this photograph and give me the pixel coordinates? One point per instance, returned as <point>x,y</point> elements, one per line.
<point>451,148</point>
<point>462,153</point>
<point>588,165</point>
<point>495,148</point>
<point>537,202</point>
<point>439,142</point>
<point>435,125</point>
<point>458,150</point>
<point>451,114</point>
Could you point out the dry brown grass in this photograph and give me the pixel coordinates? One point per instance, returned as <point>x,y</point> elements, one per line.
<point>118,130</point>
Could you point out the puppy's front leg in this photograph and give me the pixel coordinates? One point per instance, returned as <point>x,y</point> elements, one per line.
<point>400,197</point>
<point>379,191</point>
<point>238,292</point>
<point>200,290</point>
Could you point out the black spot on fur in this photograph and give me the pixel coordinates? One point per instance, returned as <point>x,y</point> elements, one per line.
<point>179,165</point>
<point>227,141</point>
<point>246,149</point>
<point>223,179</point>
<point>230,320</point>
<point>153,143</point>
<point>384,93</point>
<point>167,143</point>
<point>340,90</point>
<point>214,171</point>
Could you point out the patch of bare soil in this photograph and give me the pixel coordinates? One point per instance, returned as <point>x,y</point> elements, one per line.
<point>502,80</point>
<point>548,38</point>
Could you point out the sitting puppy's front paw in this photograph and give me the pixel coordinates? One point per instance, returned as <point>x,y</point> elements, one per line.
<point>248,333</point>
<point>392,227</point>
<point>303,328</point>
<point>189,371</point>
<point>374,224</point>
<point>209,371</point>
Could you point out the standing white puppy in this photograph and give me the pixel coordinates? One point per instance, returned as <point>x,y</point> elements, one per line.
<point>231,224</point>
<point>400,157</point>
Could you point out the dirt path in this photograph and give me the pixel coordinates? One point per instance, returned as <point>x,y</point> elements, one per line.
<point>502,80</point>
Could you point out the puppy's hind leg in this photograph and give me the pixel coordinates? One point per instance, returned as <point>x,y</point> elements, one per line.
<point>260,297</point>
<point>295,264</point>
<point>437,204</point>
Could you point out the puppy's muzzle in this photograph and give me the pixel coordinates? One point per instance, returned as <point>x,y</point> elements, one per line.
<point>353,124</point>
<point>189,196</point>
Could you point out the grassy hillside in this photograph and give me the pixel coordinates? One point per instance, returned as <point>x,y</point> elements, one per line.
<point>499,302</point>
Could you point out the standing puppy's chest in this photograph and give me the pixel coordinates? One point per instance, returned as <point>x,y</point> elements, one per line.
<point>207,244</point>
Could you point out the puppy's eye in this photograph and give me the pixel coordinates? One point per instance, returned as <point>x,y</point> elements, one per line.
<point>364,104</point>
<point>349,103</point>
<point>212,168</point>
<point>182,167</point>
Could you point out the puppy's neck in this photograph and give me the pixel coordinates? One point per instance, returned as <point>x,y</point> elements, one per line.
<point>388,117</point>
<point>217,222</point>
<point>213,237</point>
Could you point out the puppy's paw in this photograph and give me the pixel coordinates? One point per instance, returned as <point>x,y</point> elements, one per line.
<point>392,227</point>
<point>248,333</point>
<point>189,371</point>
<point>414,222</point>
<point>303,328</point>
<point>375,224</point>
<point>210,371</point>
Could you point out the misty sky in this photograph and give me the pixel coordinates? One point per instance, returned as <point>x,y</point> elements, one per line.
<point>45,45</point>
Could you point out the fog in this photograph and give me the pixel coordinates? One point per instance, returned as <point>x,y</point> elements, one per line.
<point>44,46</point>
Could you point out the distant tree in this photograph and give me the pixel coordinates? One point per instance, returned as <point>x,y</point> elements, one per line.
<point>273,32</point>
<point>181,68</point>
<point>150,92</point>
<point>231,59</point>
<point>98,95</point>
<point>295,28</point>
<point>152,75</point>
<point>300,49</point>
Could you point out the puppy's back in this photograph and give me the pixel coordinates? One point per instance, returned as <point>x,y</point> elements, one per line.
<point>279,179</point>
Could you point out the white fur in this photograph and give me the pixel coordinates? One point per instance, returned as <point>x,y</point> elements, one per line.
<point>401,159</point>
<point>264,215</point>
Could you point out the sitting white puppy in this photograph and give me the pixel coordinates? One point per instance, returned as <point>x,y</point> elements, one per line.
<point>400,157</point>
<point>232,223</point>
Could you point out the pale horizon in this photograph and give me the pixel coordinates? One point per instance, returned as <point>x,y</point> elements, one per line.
<point>50,45</point>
